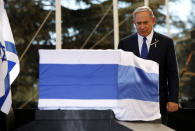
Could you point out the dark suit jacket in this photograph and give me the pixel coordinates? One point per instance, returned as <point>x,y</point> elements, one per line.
<point>164,54</point>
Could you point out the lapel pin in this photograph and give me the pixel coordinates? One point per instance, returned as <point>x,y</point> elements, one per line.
<point>155,42</point>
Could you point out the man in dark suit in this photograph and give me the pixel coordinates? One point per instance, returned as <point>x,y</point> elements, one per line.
<point>148,44</point>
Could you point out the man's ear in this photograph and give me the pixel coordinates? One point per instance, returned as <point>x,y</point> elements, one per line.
<point>153,20</point>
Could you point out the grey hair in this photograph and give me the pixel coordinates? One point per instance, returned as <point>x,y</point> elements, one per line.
<point>143,8</point>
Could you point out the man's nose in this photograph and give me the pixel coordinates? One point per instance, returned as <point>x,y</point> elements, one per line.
<point>142,26</point>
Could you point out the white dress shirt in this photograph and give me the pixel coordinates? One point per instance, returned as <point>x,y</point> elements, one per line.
<point>148,41</point>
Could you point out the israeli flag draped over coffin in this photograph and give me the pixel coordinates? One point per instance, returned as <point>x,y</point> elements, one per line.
<point>100,80</point>
<point>9,62</point>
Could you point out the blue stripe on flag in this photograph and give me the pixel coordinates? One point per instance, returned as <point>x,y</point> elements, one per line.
<point>10,65</point>
<point>75,81</point>
<point>135,83</point>
<point>7,89</point>
<point>10,47</point>
<point>101,81</point>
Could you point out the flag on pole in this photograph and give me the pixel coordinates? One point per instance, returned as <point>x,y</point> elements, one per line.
<point>9,62</point>
<point>100,80</point>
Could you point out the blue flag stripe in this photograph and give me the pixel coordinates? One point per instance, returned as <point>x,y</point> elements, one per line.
<point>135,83</point>
<point>78,81</point>
<point>101,81</point>
<point>10,47</point>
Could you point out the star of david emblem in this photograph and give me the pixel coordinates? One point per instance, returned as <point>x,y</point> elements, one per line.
<point>2,53</point>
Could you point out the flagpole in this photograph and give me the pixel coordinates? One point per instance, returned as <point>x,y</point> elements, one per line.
<point>58,24</point>
<point>116,27</point>
<point>167,18</point>
<point>146,3</point>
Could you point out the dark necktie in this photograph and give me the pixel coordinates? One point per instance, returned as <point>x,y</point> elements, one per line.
<point>144,51</point>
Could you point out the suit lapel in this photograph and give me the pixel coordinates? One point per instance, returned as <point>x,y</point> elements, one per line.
<point>152,47</point>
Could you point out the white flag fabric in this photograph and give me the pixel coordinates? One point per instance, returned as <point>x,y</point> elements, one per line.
<point>9,60</point>
<point>99,80</point>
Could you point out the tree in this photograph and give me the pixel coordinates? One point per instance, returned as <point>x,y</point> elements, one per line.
<point>186,50</point>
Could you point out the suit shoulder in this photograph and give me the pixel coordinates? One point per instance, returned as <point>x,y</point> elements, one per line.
<point>129,37</point>
<point>165,41</point>
<point>163,36</point>
<point>124,43</point>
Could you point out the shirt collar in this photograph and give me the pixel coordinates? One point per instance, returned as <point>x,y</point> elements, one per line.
<point>148,41</point>
<point>149,37</point>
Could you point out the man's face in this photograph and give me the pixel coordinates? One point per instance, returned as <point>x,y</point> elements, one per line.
<point>144,23</point>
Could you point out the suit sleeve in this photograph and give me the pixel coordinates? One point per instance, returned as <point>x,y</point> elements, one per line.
<point>172,73</point>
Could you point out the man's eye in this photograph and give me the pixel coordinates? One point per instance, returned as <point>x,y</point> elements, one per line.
<point>138,23</point>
